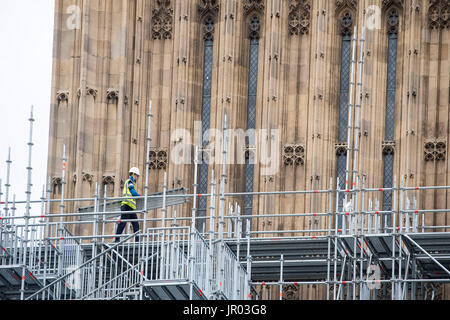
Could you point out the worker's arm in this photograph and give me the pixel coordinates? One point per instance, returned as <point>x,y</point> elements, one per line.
<point>133,192</point>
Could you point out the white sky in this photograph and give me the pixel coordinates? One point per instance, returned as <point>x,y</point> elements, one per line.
<point>26,41</point>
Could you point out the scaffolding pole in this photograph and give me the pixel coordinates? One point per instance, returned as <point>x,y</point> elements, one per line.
<point>27,208</point>
<point>38,240</point>
<point>7,185</point>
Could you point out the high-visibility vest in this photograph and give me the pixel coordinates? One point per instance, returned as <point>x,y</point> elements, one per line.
<point>126,193</point>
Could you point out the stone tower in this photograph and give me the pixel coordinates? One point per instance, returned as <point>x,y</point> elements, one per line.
<point>281,65</point>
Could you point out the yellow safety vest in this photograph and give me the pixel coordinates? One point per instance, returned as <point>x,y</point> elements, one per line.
<point>126,193</point>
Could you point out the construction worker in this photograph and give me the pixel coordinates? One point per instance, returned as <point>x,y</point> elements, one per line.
<point>129,204</point>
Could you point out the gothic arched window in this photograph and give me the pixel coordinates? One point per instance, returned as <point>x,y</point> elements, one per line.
<point>206,113</point>
<point>388,152</point>
<point>346,26</point>
<point>254,34</point>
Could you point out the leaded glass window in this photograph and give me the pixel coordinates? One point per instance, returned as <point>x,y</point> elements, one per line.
<point>346,24</point>
<point>388,157</point>
<point>251,108</point>
<point>206,112</point>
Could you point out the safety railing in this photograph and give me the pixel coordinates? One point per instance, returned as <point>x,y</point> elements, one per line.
<point>42,256</point>
<point>200,261</point>
<point>230,277</point>
<point>364,213</point>
<point>101,276</point>
<point>169,249</point>
<point>120,271</point>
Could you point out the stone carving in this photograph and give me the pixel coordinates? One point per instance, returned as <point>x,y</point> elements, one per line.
<point>392,22</point>
<point>346,24</point>
<point>208,29</point>
<point>349,4</point>
<point>158,159</point>
<point>91,92</point>
<point>388,147</point>
<point>341,149</point>
<point>299,17</point>
<point>254,28</point>
<point>253,6</point>
<point>294,155</point>
<point>112,95</point>
<point>388,3</point>
<point>435,150</point>
<point>290,292</point>
<point>208,9</point>
<point>439,14</point>
<point>162,20</point>
<point>56,185</point>
<point>87,177</point>
<point>108,179</point>
<point>62,96</point>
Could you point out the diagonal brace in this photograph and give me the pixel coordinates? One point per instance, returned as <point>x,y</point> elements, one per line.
<point>424,251</point>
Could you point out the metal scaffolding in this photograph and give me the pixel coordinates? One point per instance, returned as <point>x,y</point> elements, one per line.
<point>373,251</point>
<point>360,252</point>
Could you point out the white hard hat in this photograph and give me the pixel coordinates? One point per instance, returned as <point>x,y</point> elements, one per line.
<point>135,171</point>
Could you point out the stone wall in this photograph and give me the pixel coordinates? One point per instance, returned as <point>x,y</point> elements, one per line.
<point>111,57</point>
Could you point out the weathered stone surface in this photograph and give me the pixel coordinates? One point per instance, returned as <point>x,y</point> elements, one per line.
<point>125,53</point>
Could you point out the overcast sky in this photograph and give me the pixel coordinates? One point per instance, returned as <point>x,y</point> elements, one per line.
<point>26,40</point>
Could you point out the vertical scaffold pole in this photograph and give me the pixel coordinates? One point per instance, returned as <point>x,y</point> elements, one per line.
<point>94,234</point>
<point>238,251</point>
<point>3,260</point>
<point>393,218</point>
<point>330,215</point>
<point>27,208</point>
<point>358,107</point>
<point>46,236</point>
<point>39,240</point>
<point>164,204</point>
<point>195,186</point>
<point>281,276</point>
<point>105,192</point>
<point>220,267</point>
<point>144,239</point>
<point>212,209</point>
<point>336,236</point>
<point>355,178</point>
<point>7,185</point>
<point>249,262</point>
<point>163,225</point>
<point>350,111</point>
<point>147,165</point>
<point>401,213</point>
<point>361,263</point>
<point>192,232</point>
<point>61,211</point>
<point>1,194</point>
<point>355,235</point>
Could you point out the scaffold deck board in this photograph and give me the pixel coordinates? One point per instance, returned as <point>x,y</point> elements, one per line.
<point>10,281</point>
<point>269,249</point>
<point>293,270</point>
<point>172,290</point>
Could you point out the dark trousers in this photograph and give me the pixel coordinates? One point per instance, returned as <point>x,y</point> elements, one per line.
<point>127,216</point>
